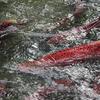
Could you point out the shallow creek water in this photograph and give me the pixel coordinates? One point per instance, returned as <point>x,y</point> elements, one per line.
<point>24,45</point>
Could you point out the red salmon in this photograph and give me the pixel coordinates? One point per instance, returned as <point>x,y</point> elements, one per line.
<point>96,87</point>
<point>74,34</point>
<point>67,56</point>
<point>4,24</point>
<point>64,82</point>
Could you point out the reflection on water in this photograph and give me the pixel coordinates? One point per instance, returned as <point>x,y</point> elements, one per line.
<point>20,46</point>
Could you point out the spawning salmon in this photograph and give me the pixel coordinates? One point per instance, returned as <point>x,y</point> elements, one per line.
<point>76,33</point>
<point>67,56</point>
